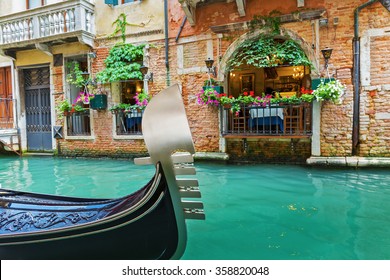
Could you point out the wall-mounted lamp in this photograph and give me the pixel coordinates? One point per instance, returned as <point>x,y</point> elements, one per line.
<point>147,76</point>
<point>323,22</point>
<point>209,64</point>
<point>327,53</point>
<point>92,55</point>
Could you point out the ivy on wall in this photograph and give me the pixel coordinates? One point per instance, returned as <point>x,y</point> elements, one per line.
<point>268,51</point>
<point>123,63</point>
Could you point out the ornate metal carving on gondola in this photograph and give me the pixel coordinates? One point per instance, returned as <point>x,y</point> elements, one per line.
<point>147,224</point>
<point>14,221</point>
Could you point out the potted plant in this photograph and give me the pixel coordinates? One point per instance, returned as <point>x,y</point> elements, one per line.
<point>121,107</point>
<point>63,108</point>
<point>306,95</point>
<point>66,109</point>
<point>76,108</point>
<point>141,100</point>
<point>224,100</point>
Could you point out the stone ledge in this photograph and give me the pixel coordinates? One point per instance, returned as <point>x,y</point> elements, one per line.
<point>211,156</point>
<point>349,161</point>
<point>37,154</point>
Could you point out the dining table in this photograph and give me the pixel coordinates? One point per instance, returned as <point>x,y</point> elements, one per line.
<point>133,118</point>
<point>266,116</point>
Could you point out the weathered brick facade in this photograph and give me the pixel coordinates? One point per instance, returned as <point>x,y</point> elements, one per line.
<point>196,43</point>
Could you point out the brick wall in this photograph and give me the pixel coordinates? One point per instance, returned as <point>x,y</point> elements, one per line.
<point>336,120</point>
<point>375,102</point>
<point>103,143</point>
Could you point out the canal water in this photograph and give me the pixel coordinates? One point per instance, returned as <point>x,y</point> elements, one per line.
<point>275,212</point>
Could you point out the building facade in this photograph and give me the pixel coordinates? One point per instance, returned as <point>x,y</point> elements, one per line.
<point>177,37</point>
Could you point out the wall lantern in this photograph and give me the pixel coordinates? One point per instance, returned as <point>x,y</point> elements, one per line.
<point>92,55</point>
<point>144,70</point>
<point>209,64</point>
<point>327,53</point>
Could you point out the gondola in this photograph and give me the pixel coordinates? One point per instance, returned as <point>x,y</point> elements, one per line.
<point>147,224</point>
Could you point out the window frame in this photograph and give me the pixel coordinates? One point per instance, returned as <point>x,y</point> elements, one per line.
<point>43,2</point>
<point>122,2</point>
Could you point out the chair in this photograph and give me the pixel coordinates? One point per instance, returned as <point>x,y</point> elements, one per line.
<point>238,122</point>
<point>293,119</point>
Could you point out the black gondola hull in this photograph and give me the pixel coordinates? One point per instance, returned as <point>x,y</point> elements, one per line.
<point>150,232</point>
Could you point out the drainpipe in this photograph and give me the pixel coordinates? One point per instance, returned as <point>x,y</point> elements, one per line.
<point>168,79</point>
<point>356,78</point>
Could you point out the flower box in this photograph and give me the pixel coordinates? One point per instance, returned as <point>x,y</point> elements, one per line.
<point>99,102</point>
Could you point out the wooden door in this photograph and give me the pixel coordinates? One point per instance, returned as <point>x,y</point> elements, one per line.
<point>6,103</point>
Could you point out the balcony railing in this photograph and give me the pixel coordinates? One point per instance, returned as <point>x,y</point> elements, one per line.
<point>68,18</point>
<point>128,123</point>
<point>6,113</point>
<point>78,124</point>
<point>278,120</point>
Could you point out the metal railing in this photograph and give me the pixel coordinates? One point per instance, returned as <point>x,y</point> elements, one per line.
<point>78,124</point>
<point>50,20</point>
<point>274,120</point>
<point>129,123</point>
<point>7,113</point>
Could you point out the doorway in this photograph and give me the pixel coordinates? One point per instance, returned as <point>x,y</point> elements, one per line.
<point>38,109</point>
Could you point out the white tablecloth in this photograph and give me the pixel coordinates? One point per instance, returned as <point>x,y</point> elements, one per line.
<point>266,112</point>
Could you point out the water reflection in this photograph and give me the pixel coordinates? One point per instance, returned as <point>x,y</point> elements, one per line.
<point>252,211</point>
<point>73,177</point>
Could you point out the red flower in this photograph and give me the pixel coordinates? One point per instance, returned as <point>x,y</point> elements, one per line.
<point>252,93</point>
<point>245,93</point>
<point>306,91</point>
<point>230,96</point>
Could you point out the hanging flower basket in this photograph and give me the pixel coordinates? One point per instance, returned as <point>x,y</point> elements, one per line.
<point>98,102</point>
<point>218,89</point>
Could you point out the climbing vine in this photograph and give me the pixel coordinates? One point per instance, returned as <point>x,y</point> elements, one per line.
<point>267,51</point>
<point>121,24</point>
<point>123,63</point>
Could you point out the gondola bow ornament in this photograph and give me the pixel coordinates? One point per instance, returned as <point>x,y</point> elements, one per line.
<point>147,224</point>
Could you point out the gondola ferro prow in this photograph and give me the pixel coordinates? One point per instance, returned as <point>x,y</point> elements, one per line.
<point>166,132</point>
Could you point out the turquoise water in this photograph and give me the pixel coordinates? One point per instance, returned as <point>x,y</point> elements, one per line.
<point>252,211</point>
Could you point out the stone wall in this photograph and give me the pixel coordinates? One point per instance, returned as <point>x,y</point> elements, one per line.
<point>269,150</point>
